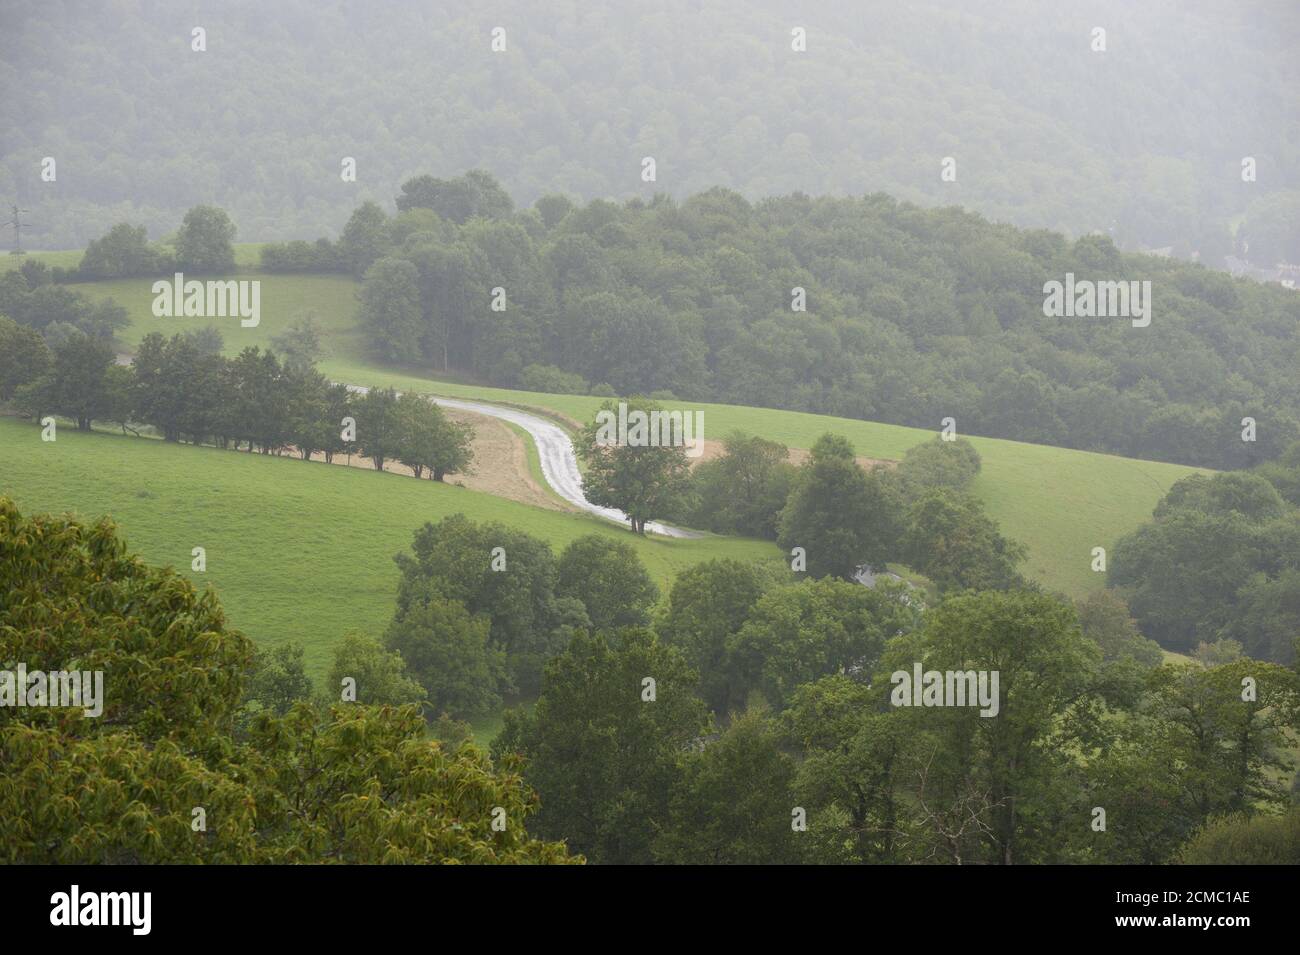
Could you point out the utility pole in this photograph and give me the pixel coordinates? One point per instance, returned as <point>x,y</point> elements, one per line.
<point>18,226</point>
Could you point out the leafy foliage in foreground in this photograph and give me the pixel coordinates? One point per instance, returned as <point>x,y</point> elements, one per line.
<point>1080,725</point>
<point>347,783</point>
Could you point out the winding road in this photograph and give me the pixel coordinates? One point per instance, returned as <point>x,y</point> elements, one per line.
<point>558,460</point>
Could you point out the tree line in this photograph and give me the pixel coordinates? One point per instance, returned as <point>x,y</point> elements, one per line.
<point>184,389</point>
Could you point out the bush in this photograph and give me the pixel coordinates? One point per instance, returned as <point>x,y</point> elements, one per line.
<point>1245,840</point>
<point>300,256</point>
<point>939,464</point>
<point>378,675</point>
<point>122,252</point>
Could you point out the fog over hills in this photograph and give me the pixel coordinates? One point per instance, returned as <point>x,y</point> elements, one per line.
<point>1143,140</point>
<point>358,504</point>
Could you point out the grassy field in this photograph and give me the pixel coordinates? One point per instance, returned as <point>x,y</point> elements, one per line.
<point>247,255</point>
<point>64,259</point>
<point>1059,502</point>
<point>296,550</point>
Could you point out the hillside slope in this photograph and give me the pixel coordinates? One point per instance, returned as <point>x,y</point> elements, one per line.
<point>1059,502</point>
<point>296,550</point>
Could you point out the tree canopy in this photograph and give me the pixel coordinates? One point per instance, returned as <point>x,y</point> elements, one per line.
<point>169,773</point>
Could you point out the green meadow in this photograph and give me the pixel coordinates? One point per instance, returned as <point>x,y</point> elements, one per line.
<point>65,258</point>
<point>1058,501</point>
<point>247,255</point>
<point>296,550</point>
<point>1061,503</point>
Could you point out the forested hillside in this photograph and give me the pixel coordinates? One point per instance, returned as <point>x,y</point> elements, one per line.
<point>911,316</point>
<point>1144,140</point>
<point>862,308</point>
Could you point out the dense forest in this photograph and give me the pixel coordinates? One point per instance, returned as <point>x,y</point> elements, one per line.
<point>863,308</point>
<point>1143,140</point>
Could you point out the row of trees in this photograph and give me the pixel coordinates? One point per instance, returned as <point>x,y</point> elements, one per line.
<point>186,390</point>
<point>204,244</point>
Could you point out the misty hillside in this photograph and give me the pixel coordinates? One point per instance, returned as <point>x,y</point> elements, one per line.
<point>702,432</point>
<point>1144,140</point>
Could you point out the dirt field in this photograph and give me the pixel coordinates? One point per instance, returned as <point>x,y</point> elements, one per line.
<point>500,463</point>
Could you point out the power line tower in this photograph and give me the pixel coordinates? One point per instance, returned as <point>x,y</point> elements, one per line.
<point>18,227</point>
